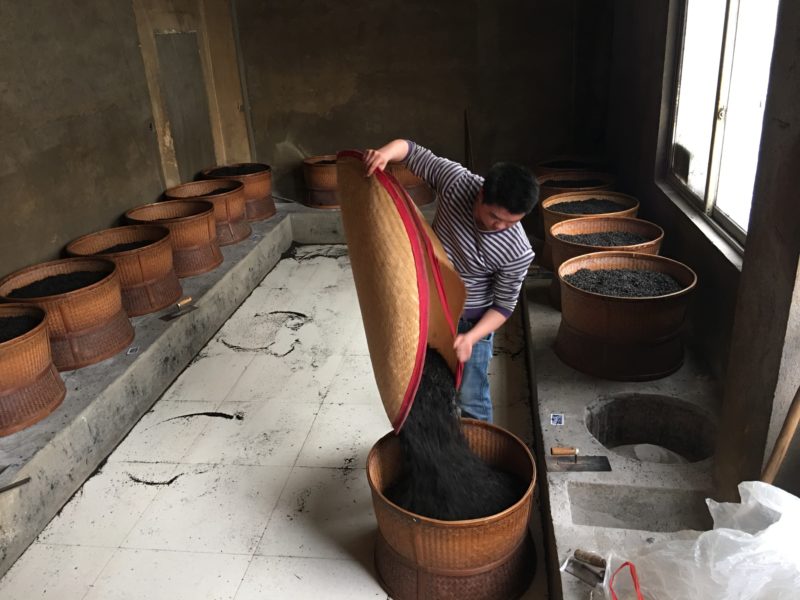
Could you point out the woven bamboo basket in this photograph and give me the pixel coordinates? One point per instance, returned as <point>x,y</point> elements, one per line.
<point>192,230</point>
<point>257,181</point>
<point>626,339</point>
<point>416,187</point>
<point>230,209</point>
<point>564,250</point>
<point>147,275</point>
<point>535,223</point>
<point>421,194</point>
<point>570,162</point>
<point>403,175</point>
<point>564,182</point>
<point>320,175</point>
<point>422,558</point>
<point>629,206</point>
<point>86,325</point>
<point>30,386</point>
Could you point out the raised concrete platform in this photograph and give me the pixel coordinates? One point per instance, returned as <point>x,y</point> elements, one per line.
<point>637,502</point>
<point>104,401</point>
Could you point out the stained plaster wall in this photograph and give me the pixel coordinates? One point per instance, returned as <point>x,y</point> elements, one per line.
<point>326,76</point>
<point>78,148</point>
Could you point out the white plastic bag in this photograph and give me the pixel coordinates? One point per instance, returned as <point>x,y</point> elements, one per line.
<point>752,553</point>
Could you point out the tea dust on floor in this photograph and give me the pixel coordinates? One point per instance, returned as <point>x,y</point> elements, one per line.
<point>246,479</point>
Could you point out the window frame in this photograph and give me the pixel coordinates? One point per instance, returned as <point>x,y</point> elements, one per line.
<point>706,206</point>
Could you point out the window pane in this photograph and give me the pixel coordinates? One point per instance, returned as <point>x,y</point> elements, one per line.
<point>744,112</point>
<point>697,91</point>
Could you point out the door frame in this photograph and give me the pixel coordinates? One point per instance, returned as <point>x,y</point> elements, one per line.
<point>212,22</point>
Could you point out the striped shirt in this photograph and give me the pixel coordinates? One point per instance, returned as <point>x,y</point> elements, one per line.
<point>493,264</point>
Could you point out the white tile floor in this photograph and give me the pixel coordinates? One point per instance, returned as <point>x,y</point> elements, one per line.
<point>246,479</point>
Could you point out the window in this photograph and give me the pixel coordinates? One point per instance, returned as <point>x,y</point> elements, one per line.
<point>722,81</point>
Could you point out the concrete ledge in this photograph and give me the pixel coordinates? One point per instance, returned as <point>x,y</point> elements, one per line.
<point>649,501</point>
<point>104,401</point>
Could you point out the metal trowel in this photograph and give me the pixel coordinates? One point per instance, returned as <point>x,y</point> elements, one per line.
<point>180,308</point>
<point>567,458</point>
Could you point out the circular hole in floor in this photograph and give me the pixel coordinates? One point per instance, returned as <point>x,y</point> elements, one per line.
<point>652,428</point>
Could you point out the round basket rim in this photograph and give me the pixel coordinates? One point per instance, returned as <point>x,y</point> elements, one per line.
<point>209,171</point>
<point>163,231</point>
<point>238,186</point>
<point>315,160</point>
<point>464,523</point>
<point>631,201</point>
<point>38,310</point>
<point>572,222</point>
<point>207,205</point>
<point>626,254</point>
<point>593,161</point>
<point>577,174</point>
<point>74,293</point>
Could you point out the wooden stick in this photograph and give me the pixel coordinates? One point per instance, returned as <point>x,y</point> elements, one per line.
<point>784,439</point>
<point>563,451</point>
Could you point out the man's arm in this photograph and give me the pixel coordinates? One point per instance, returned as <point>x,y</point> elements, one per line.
<point>507,285</point>
<point>490,322</point>
<point>440,173</point>
<point>394,151</point>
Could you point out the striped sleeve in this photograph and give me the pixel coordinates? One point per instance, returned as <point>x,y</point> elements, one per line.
<point>439,173</point>
<point>507,282</point>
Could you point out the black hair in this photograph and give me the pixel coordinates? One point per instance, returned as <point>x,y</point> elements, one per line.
<point>512,187</point>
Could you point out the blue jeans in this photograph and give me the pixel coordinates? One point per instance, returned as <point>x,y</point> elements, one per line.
<point>473,397</point>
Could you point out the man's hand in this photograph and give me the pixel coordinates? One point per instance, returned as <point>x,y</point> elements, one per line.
<point>394,151</point>
<point>375,159</point>
<point>463,346</point>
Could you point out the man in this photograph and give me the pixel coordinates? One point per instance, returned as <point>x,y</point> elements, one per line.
<point>478,223</point>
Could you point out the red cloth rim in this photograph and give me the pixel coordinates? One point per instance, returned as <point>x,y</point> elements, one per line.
<point>420,243</point>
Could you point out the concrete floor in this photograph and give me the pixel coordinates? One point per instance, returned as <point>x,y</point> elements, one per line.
<point>246,479</point>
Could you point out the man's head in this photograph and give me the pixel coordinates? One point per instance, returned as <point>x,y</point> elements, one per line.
<point>509,193</point>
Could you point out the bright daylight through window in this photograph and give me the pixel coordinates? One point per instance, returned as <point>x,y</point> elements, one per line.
<point>722,89</point>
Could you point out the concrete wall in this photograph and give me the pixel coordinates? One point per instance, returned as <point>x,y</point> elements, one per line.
<point>77,145</point>
<point>638,71</point>
<point>327,76</point>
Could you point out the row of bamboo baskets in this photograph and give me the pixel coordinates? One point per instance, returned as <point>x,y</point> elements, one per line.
<point>629,339</point>
<point>139,268</point>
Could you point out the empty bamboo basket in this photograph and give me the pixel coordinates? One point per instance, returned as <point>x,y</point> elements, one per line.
<point>147,275</point>
<point>563,250</point>
<point>416,187</point>
<point>627,339</point>
<point>563,182</point>
<point>570,162</point>
<point>193,232</point>
<point>230,210</point>
<point>422,558</point>
<point>30,386</point>
<point>86,325</point>
<point>321,181</point>
<point>257,181</point>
